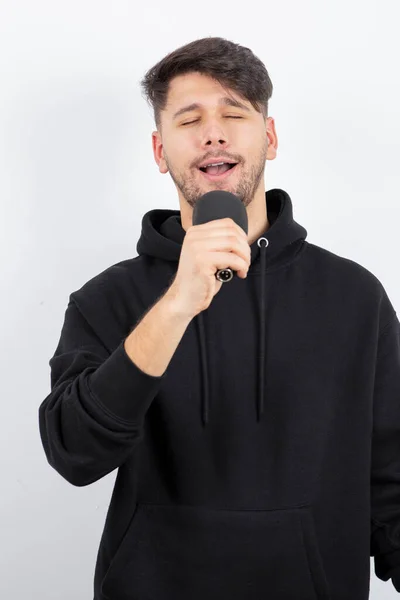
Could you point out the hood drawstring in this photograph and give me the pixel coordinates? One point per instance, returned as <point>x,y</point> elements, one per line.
<point>260,404</point>
<point>205,392</point>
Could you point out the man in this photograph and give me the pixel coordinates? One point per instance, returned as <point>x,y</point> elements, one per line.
<point>256,425</point>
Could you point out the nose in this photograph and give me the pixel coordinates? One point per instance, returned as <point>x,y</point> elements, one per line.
<point>213,134</point>
<point>211,142</point>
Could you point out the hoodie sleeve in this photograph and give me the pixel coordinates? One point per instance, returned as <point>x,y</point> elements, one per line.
<point>93,417</point>
<point>385,459</point>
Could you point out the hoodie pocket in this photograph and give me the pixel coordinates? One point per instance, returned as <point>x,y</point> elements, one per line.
<point>177,552</point>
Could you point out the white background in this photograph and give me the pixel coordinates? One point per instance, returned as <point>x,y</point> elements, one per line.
<point>77,174</point>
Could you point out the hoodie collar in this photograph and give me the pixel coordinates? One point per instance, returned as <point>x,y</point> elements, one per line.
<point>162,233</point>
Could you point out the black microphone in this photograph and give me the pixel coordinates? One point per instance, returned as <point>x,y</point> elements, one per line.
<point>220,204</point>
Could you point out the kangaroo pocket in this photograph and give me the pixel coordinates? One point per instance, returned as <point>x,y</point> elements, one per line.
<point>176,552</point>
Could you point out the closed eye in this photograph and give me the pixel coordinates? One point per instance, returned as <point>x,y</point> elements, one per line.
<point>228,117</point>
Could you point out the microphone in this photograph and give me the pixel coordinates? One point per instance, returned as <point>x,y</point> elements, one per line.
<point>220,204</point>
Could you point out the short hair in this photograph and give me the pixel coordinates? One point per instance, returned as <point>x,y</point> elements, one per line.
<point>232,65</point>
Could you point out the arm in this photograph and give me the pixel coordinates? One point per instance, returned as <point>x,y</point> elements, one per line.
<point>385,464</point>
<point>153,342</point>
<point>93,416</point>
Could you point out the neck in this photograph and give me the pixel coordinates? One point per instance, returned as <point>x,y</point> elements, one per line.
<point>256,229</point>
<point>257,217</point>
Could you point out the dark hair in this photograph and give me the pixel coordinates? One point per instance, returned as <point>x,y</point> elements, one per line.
<point>232,65</point>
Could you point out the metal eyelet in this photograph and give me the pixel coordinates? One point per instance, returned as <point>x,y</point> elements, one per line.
<point>259,240</point>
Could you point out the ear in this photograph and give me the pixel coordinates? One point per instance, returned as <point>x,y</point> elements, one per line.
<point>158,152</point>
<point>272,138</point>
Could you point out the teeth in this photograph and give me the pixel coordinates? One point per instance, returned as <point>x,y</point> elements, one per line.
<point>215,164</point>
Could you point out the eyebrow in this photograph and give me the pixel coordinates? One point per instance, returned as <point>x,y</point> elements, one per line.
<point>226,101</point>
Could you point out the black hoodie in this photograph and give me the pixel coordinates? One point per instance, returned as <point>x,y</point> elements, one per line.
<point>265,461</point>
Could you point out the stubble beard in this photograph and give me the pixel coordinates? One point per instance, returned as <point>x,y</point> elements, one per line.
<point>245,187</point>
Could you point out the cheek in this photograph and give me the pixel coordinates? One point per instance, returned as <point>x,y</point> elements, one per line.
<point>182,155</point>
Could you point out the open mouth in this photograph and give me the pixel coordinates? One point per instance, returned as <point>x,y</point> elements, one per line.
<point>220,172</point>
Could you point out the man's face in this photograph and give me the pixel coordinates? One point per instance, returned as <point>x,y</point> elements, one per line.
<point>213,129</point>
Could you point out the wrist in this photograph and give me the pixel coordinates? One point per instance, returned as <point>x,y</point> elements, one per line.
<point>175,306</point>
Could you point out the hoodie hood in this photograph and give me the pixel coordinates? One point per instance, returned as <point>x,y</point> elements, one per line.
<point>162,237</point>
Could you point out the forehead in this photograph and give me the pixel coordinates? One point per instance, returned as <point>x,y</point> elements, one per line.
<point>195,90</point>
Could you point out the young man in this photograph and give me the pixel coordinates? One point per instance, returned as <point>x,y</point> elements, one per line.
<point>256,425</point>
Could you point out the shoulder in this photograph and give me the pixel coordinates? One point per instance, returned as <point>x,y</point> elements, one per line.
<point>351,278</point>
<point>332,263</point>
<point>109,282</point>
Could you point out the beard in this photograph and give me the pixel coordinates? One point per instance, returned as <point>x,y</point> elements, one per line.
<point>244,187</point>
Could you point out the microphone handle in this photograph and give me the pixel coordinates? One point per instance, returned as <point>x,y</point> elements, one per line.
<point>224,275</point>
